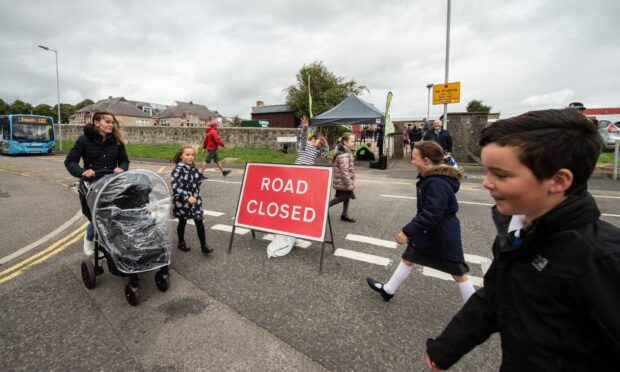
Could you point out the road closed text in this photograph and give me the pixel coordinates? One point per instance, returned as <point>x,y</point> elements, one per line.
<point>282,210</point>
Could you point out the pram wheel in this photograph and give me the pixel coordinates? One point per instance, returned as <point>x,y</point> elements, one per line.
<point>132,294</point>
<point>162,281</point>
<point>88,274</point>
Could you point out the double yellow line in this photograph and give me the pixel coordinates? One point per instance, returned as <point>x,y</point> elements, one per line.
<point>42,256</point>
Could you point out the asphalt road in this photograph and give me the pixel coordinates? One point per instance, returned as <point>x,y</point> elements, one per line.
<point>238,311</point>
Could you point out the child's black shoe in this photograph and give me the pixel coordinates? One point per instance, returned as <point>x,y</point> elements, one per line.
<point>373,284</point>
<point>225,172</point>
<point>206,250</point>
<point>184,247</point>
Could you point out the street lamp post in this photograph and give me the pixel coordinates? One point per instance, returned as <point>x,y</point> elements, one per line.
<point>57,92</point>
<point>445,105</point>
<point>428,100</point>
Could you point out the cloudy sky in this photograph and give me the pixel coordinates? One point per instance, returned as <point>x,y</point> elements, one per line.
<point>513,55</point>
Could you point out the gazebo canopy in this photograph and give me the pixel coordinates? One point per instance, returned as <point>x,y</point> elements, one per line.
<point>352,110</point>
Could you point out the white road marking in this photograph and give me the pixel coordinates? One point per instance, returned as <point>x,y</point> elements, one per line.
<point>610,215</point>
<point>228,228</point>
<point>49,236</point>
<point>210,180</point>
<point>370,258</point>
<point>213,213</point>
<point>298,242</point>
<point>399,196</point>
<point>478,282</point>
<point>369,240</point>
<point>484,262</point>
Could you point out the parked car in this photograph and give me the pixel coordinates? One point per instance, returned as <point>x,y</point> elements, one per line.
<point>610,132</point>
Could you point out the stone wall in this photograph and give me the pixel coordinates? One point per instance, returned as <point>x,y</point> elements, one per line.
<point>232,137</point>
<point>465,128</point>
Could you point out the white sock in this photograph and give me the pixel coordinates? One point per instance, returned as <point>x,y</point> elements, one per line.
<point>467,289</point>
<point>400,274</point>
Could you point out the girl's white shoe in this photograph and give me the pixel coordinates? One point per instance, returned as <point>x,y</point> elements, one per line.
<point>89,247</point>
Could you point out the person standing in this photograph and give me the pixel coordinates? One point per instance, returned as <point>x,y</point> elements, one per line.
<point>211,143</point>
<point>102,150</point>
<point>187,201</point>
<point>415,134</point>
<point>441,136</point>
<point>307,153</point>
<point>433,236</point>
<point>344,174</point>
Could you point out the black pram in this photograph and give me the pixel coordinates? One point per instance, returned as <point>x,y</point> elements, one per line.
<point>131,214</point>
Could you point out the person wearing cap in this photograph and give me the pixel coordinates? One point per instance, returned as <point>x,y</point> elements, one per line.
<point>578,106</point>
<point>211,143</point>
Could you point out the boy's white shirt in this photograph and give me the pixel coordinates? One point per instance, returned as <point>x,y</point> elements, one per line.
<point>517,222</point>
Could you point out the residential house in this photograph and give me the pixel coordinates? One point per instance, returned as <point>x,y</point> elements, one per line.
<point>186,114</point>
<point>125,112</point>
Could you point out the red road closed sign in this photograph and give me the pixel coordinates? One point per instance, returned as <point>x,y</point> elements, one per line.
<point>285,199</point>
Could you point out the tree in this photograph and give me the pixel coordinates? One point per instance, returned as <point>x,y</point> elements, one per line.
<point>4,107</point>
<point>83,104</point>
<point>236,121</point>
<point>45,110</point>
<point>327,89</point>
<point>476,106</point>
<point>20,107</point>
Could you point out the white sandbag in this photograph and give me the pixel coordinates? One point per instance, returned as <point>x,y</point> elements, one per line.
<point>281,245</point>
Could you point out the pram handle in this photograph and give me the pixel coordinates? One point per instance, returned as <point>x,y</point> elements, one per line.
<point>99,172</point>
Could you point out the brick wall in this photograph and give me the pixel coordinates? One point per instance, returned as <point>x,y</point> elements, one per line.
<point>232,137</point>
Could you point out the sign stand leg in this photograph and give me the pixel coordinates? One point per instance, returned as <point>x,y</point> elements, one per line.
<point>331,234</point>
<point>232,237</point>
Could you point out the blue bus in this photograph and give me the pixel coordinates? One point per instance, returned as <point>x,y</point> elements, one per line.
<point>27,134</point>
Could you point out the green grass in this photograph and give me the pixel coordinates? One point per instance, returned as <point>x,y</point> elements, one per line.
<point>238,155</point>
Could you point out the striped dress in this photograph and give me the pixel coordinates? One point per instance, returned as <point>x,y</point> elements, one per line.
<point>306,153</point>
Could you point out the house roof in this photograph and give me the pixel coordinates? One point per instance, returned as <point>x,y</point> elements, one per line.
<point>182,108</point>
<point>118,106</point>
<point>602,111</point>
<point>272,109</point>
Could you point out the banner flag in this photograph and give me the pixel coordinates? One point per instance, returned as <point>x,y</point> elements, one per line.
<point>389,125</point>
<point>309,97</point>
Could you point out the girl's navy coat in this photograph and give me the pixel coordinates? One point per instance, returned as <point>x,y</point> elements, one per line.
<point>186,182</point>
<point>435,229</point>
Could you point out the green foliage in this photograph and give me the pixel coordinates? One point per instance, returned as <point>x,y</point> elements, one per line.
<point>66,109</point>
<point>236,121</point>
<point>476,106</point>
<point>4,107</point>
<point>327,89</point>
<point>20,107</point>
<point>45,110</point>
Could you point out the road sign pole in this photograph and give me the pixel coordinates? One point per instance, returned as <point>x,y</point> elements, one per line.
<point>445,106</point>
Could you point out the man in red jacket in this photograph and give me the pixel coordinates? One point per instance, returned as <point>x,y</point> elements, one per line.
<point>211,143</point>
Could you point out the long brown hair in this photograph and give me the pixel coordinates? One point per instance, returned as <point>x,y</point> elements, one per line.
<point>177,156</point>
<point>116,130</point>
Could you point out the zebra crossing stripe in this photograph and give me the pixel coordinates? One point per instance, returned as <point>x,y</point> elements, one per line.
<point>369,258</point>
<point>484,262</point>
<point>478,282</point>
<point>369,240</point>
<point>228,228</point>
<point>213,213</point>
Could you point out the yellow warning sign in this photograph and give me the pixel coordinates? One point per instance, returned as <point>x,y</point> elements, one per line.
<point>446,93</point>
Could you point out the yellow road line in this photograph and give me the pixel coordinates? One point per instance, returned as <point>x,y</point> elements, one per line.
<point>161,169</point>
<point>46,250</point>
<point>606,197</point>
<point>44,258</point>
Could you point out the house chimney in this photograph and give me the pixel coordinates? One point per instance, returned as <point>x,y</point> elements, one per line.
<point>191,103</point>
<point>258,104</point>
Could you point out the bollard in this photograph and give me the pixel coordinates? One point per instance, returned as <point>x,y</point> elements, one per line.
<point>616,149</point>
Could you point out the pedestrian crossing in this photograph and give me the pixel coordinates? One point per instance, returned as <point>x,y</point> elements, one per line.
<point>349,254</point>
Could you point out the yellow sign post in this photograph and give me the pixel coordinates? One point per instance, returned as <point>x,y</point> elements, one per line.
<point>446,93</point>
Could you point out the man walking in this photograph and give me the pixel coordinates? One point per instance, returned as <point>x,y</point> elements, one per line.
<point>439,135</point>
<point>211,143</point>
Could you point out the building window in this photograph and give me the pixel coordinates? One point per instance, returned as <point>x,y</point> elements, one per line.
<point>164,123</point>
<point>147,110</point>
<point>142,122</point>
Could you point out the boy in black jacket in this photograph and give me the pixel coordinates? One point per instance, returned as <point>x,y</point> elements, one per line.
<point>553,289</point>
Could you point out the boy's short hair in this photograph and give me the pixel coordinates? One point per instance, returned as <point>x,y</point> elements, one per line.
<point>549,140</point>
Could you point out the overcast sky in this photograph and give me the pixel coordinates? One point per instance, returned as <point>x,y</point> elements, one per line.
<point>513,55</point>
